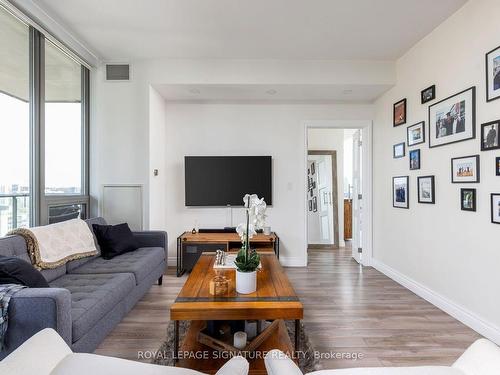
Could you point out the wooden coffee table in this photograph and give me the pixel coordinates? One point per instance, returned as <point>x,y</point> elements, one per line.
<point>274,299</point>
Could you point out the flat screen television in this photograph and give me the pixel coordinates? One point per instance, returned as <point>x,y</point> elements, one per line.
<point>224,180</point>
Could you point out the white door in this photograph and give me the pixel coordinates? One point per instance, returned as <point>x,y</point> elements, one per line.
<point>357,198</point>
<point>319,198</point>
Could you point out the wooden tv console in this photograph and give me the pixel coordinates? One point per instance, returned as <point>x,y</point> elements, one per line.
<point>190,246</point>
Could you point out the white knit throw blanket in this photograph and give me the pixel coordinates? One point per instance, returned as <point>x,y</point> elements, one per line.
<point>51,246</point>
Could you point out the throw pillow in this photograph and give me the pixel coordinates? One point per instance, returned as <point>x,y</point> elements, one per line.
<point>17,271</point>
<point>115,239</point>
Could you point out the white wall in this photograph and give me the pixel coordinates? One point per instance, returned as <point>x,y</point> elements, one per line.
<point>450,256</point>
<point>333,140</point>
<point>247,129</point>
<point>157,160</point>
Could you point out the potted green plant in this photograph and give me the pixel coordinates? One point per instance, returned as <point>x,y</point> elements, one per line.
<point>248,260</point>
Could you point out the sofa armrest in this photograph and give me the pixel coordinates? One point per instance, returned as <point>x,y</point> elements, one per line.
<point>278,363</point>
<point>39,355</point>
<point>235,366</point>
<point>33,309</point>
<point>481,358</point>
<point>153,238</point>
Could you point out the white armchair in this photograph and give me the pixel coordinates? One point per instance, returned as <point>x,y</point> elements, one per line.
<point>481,358</point>
<point>46,353</point>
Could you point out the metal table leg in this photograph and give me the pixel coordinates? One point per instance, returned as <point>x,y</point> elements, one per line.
<point>176,341</point>
<point>297,334</point>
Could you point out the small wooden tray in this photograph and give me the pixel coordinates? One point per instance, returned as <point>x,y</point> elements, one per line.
<point>226,345</point>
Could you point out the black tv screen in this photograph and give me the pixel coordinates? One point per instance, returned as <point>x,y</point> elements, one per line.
<point>224,180</point>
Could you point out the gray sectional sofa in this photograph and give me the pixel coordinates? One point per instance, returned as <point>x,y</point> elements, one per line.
<point>88,297</point>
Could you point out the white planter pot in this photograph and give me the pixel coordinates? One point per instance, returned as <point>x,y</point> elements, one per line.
<point>246,282</point>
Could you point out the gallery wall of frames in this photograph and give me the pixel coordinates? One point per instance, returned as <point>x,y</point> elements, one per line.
<point>450,120</point>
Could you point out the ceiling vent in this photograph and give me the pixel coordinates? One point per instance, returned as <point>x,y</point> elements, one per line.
<point>117,72</point>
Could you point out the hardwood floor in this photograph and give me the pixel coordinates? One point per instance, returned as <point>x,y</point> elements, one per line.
<point>347,310</point>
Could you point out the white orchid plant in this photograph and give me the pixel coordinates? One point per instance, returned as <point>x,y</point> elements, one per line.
<point>248,260</point>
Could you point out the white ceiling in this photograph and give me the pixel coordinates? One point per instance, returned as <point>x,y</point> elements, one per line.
<point>250,29</point>
<point>271,93</point>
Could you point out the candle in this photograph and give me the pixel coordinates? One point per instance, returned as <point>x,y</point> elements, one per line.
<point>240,340</point>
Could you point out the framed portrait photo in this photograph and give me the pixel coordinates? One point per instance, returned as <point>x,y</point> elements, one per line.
<point>415,134</point>
<point>399,113</point>
<point>468,199</point>
<point>495,208</point>
<point>428,94</point>
<point>426,189</point>
<point>497,166</point>
<point>400,193</point>
<point>465,169</point>
<point>398,150</point>
<point>493,74</point>
<point>490,135</point>
<point>453,119</point>
<point>414,156</point>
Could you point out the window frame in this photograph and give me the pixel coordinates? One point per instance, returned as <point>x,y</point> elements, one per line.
<point>39,201</point>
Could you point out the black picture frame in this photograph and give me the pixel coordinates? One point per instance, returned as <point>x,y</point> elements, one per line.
<point>487,69</point>
<point>403,120</point>
<point>411,153</point>
<point>472,192</point>
<point>406,204</point>
<point>402,144</point>
<point>484,146</point>
<point>478,169</point>
<point>410,128</point>
<point>497,165</point>
<point>423,98</point>
<point>433,189</point>
<point>472,125</point>
<point>495,206</point>
<point>315,204</point>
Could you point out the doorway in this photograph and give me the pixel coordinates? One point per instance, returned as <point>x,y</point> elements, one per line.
<point>338,187</point>
<point>323,222</point>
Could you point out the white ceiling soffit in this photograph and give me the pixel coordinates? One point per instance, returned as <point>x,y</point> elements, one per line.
<point>245,93</point>
<point>258,29</point>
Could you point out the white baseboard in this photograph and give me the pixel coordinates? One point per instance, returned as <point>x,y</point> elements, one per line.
<point>172,261</point>
<point>467,317</point>
<point>292,261</point>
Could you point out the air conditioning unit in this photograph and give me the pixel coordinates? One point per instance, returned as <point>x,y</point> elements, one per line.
<point>117,72</point>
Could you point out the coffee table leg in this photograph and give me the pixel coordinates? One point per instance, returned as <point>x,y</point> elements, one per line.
<point>297,334</point>
<point>176,340</point>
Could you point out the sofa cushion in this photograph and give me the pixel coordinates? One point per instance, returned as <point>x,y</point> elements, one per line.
<point>140,262</point>
<point>115,240</point>
<point>15,270</point>
<point>93,296</point>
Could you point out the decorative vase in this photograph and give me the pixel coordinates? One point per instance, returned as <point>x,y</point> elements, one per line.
<point>246,282</point>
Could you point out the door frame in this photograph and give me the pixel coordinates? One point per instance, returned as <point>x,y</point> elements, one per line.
<point>335,224</point>
<point>366,127</point>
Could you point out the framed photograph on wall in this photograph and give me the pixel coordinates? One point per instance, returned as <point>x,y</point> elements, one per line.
<point>415,134</point>
<point>453,119</point>
<point>428,94</point>
<point>399,113</point>
<point>400,192</point>
<point>493,74</point>
<point>465,169</point>
<point>426,189</point>
<point>315,204</point>
<point>490,135</point>
<point>414,159</point>
<point>495,208</point>
<point>398,150</point>
<point>468,199</point>
<point>497,166</point>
